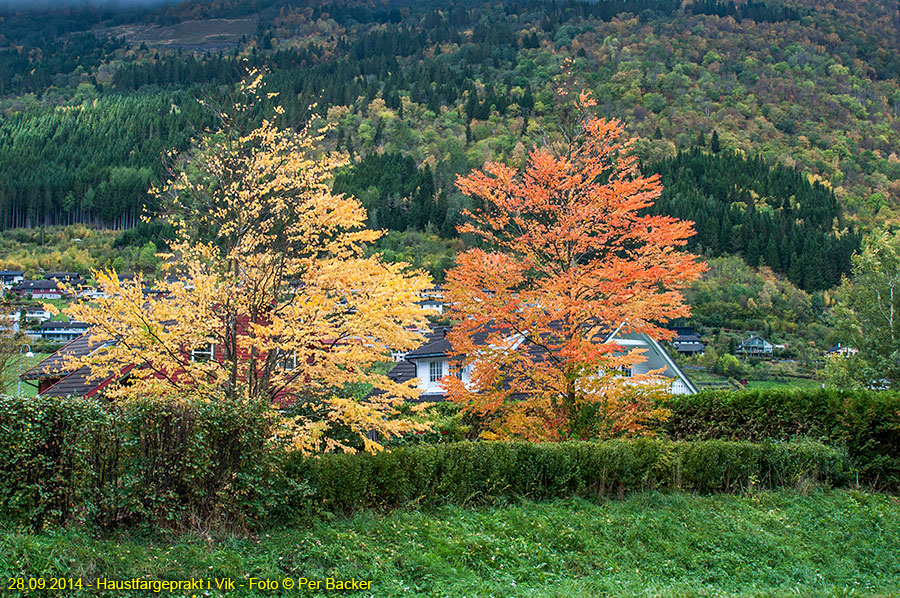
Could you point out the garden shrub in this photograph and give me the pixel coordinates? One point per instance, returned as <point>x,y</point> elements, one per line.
<point>467,473</point>
<point>155,462</point>
<point>216,464</point>
<point>48,457</point>
<point>865,423</point>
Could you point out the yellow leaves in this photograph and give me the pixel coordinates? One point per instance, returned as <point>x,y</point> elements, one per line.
<point>267,276</point>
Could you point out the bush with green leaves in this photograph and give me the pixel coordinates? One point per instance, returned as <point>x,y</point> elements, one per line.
<point>865,423</point>
<point>174,464</point>
<point>80,461</point>
<point>465,473</point>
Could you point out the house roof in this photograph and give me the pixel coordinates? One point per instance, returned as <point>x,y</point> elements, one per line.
<point>690,347</point>
<point>403,371</point>
<point>55,365</point>
<point>686,338</point>
<point>38,285</point>
<point>436,345</point>
<point>755,340</point>
<point>12,272</point>
<point>80,383</point>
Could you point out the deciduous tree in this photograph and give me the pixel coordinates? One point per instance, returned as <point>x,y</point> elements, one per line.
<point>268,268</point>
<point>568,255</point>
<point>867,316</point>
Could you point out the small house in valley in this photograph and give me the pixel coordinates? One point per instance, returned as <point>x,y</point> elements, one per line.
<point>688,342</point>
<point>39,289</point>
<point>55,376</point>
<point>11,277</point>
<point>755,347</point>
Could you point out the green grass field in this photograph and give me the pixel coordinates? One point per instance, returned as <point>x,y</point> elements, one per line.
<point>828,543</point>
<point>9,382</point>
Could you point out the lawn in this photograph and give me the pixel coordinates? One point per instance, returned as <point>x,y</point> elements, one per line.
<point>828,543</point>
<point>9,382</point>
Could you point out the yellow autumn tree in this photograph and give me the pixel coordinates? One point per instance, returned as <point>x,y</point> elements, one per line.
<point>267,293</point>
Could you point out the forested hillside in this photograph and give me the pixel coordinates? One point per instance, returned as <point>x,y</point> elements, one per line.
<point>775,126</point>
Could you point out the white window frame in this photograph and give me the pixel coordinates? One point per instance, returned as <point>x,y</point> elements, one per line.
<point>432,366</point>
<point>207,353</point>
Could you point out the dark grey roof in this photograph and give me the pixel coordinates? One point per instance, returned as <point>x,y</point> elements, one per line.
<point>12,272</point>
<point>55,365</point>
<point>690,347</point>
<point>687,338</point>
<point>436,345</point>
<point>37,284</point>
<point>61,275</point>
<point>403,371</point>
<point>76,384</point>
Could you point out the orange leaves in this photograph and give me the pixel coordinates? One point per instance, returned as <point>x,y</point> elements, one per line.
<point>569,255</point>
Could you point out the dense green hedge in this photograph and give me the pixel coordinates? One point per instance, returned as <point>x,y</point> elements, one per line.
<point>866,423</point>
<point>485,472</point>
<point>82,461</point>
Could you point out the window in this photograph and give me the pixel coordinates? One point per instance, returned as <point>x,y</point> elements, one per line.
<point>458,370</point>
<point>627,372</point>
<point>287,360</point>
<point>204,353</point>
<point>435,370</point>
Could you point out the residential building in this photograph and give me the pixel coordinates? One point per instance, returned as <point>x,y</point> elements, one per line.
<point>842,350</point>
<point>62,332</point>
<point>71,278</point>
<point>37,313</point>
<point>11,277</point>
<point>55,376</point>
<point>688,342</point>
<point>433,360</point>
<point>755,347</point>
<point>39,289</point>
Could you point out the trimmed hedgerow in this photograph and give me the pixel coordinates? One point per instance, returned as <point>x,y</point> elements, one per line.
<point>79,460</point>
<point>487,472</point>
<point>865,423</point>
<point>215,464</point>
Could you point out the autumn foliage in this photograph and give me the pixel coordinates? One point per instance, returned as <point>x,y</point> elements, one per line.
<point>567,255</point>
<point>269,272</point>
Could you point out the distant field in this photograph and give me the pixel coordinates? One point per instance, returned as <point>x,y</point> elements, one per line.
<point>708,380</point>
<point>824,544</point>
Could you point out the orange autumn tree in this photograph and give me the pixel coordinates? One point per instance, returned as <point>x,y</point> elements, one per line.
<point>567,255</point>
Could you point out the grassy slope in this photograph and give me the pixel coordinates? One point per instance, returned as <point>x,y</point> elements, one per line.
<point>775,544</point>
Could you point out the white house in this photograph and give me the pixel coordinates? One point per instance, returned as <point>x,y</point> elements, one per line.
<point>92,293</point>
<point>431,362</point>
<point>37,313</point>
<point>11,277</point>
